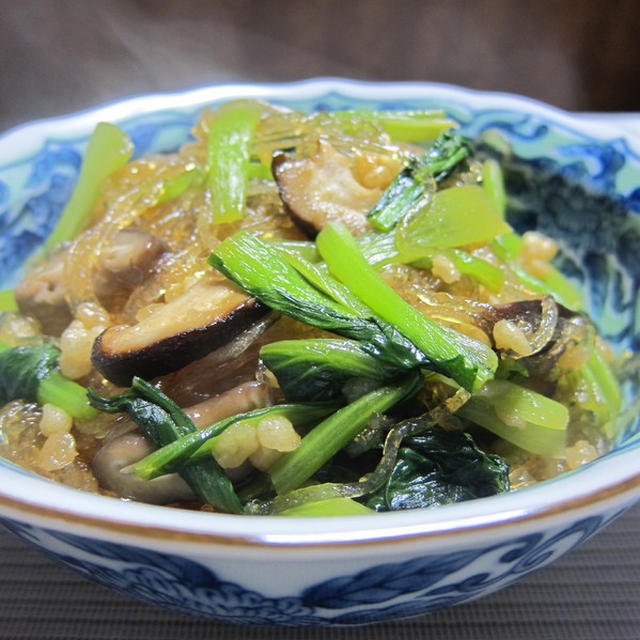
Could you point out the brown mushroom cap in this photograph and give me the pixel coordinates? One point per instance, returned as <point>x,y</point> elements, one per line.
<point>41,294</point>
<point>200,320</point>
<point>125,264</point>
<point>322,189</point>
<point>125,450</point>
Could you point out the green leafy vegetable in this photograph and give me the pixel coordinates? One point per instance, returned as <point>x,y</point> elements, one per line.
<point>260,270</point>
<point>303,248</point>
<point>23,368</point>
<point>394,331</point>
<point>457,356</point>
<point>330,507</point>
<point>452,218</point>
<point>605,385</point>
<point>380,250</point>
<point>335,432</point>
<point>31,372</point>
<point>176,186</point>
<point>163,422</point>
<point>403,126</point>
<point>518,415</point>
<point>482,271</point>
<point>198,444</point>
<point>318,275</point>
<point>64,393</point>
<point>507,247</point>
<point>493,184</point>
<point>109,149</point>
<point>228,159</point>
<point>317,369</point>
<point>413,187</point>
<point>8,300</point>
<point>437,468</point>
<point>350,480</point>
<point>598,391</point>
<point>259,171</point>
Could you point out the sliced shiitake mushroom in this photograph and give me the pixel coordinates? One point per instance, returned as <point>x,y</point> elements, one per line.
<point>125,264</point>
<point>130,446</point>
<point>183,330</point>
<point>321,189</point>
<point>241,398</point>
<point>549,330</point>
<point>124,450</point>
<point>41,294</point>
<point>222,369</point>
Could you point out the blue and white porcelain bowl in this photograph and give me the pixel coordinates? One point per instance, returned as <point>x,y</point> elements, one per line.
<point>577,179</point>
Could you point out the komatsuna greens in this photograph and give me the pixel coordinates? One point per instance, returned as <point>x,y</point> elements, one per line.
<point>384,339</point>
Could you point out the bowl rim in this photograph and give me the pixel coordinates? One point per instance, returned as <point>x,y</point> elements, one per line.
<point>611,480</point>
<point>600,125</point>
<point>56,506</point>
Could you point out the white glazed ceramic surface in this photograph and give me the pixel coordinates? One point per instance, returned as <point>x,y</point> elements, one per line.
<point>350,570</point>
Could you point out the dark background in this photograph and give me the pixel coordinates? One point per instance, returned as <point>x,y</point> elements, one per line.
<point>57,56</point>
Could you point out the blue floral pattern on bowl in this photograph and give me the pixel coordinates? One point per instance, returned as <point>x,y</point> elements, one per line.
<point>380,592</point>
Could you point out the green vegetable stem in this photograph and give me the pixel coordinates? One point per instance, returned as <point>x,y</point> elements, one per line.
<point>452,218</point>
<point>595,377</point>
<point>523,417</point>
<point>415,184</point>
<point>493,184</point>
<point>196,445</point>
<point>507,246</point>
<point>228,159</point>
<point>482,271</point>
<point>402,126</point>
<point>163,422</point>
<point>380,250</point>
<point>329,507</point>
<point>177,185</point>
<point>31,372</point>
<point>109,149</point>
<point>601,392</point>
<point>8,300</point>
<point>457,356</point>
<point>335,432</point>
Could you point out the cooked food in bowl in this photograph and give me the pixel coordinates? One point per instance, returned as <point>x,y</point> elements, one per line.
<point>300,314</point>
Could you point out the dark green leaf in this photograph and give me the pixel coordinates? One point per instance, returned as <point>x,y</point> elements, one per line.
<point>163,422</point>
<point>31,372</point>
<point>416,182</point>
<point>260,270</point>
<point>440,467</point>
<point>335,432</point>
<point>318,369</point>
<point>154,421</point>
<point>22,369</point>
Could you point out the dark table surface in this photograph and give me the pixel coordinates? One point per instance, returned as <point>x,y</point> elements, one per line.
<point>58,56</point>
